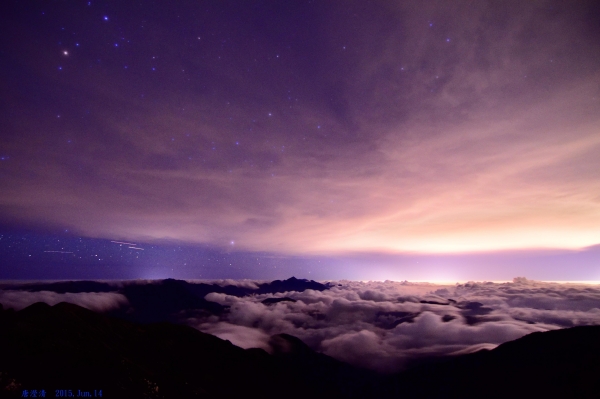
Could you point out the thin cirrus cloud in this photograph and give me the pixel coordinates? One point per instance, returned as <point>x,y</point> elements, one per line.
<point>433,129</point>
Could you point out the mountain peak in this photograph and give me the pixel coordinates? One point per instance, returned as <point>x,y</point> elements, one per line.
<point>288,345</point>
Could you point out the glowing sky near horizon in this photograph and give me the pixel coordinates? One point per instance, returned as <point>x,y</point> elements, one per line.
<point>304,128</point>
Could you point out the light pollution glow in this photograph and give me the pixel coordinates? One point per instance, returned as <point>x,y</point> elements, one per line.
<point>502,154</point>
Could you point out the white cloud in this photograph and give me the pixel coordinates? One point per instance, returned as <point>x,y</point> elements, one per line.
<point>242,336</point>
<point>379,325</point>
<point>386,325</point>
<point>96,301</point>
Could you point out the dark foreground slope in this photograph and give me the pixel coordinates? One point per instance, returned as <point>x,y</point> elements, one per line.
<point>67,347</point>
<point>71,348</point>
<point>554,364</point>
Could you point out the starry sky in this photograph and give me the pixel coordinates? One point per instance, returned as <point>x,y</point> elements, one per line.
<point>327,139</point>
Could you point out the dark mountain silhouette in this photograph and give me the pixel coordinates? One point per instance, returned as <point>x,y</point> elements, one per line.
<point>555,364</point>
<point>164,300</point>
<point>389,320</point>
<point>330,378</point>
<point>435,302</point>
<point>161,300</point>
<point>291,284</point>
<point>69,347</point>
<point>63,286</point>
<point>271,301</point>
<point>171,300</point>
<point>198,289</point>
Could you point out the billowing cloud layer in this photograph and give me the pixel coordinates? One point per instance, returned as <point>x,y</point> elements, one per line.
<point>387,325</point>
<point>96,301</point>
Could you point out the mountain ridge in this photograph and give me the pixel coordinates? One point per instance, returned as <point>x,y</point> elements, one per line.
<point>65,345</point>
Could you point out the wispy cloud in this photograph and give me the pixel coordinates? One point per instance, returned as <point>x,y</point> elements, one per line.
<point>424,127</point>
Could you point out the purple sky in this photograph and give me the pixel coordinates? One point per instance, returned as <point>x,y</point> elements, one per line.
<point>431,140</point>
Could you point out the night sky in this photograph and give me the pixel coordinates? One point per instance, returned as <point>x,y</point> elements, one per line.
<point>328,140</point>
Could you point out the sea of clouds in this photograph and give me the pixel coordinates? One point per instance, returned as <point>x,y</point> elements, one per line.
<point>96,301</point>
<point>387,326</point>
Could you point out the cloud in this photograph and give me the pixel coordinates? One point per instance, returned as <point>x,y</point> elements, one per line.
<point>385,326</point>
<point>388,325</point>
<point>242,336</point>
<point>252,284</point>
<point>96,301</point>
<point>365,348</point>
<point>429,329</point>
<point>447,127</point>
